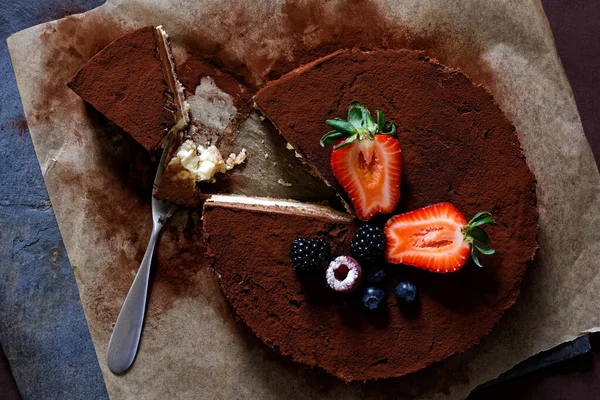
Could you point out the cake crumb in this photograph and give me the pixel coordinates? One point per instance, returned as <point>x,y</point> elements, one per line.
<point>234,159</point>
<point>266,156</point>
<point>284,183</point>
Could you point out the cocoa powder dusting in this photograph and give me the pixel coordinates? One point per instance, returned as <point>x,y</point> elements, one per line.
<point>71,41</point>
<point>134,93</point>
<point>309,29</point>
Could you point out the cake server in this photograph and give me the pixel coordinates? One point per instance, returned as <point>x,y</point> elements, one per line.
<point>125,337</point>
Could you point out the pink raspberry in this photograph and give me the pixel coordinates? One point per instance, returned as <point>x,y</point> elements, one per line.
<point>343,274</point>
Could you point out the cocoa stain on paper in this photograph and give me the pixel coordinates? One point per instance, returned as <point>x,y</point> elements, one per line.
<point>70,42</point>
<point>18,123</point>
<point>315,28</point>
<point>118,209</point>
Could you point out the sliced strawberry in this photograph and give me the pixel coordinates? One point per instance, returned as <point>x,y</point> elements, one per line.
<point>366,161</point>
<point>369,171</point>
<point>436,238</point>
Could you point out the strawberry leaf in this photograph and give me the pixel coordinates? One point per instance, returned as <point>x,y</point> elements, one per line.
<point>479,235</point>
<point>475,258</point>
<point>480,215</point>
<point>363,110</point>
<point>331,137</point>
<point>380,121</point>
<point>479,240</point>
<point>341,126</point>
<point>346,142</point>
<point>355,115</point>
<point>483,248</point>
<point>482,221</point>
<point>369,123</point>
<point>360,125</point>
<point>389,129</point>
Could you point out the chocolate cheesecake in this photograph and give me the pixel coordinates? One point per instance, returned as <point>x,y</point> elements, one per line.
<point>457,147</point>
<point>132,82</point>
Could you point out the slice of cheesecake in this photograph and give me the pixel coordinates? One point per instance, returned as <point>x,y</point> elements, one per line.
<point>133,83</point>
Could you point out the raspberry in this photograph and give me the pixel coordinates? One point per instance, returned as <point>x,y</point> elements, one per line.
<point>343,274</point>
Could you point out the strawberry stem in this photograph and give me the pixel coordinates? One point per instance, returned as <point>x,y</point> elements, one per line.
<point>359,126</point>
<point>476,236</point>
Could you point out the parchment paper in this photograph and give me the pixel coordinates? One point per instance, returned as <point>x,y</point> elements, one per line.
<point>192,347</point>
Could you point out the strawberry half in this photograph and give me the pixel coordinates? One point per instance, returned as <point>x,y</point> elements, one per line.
<point>436,238</point>
<point>366,160</point>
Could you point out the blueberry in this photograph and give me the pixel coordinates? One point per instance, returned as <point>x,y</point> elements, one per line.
<point>373,298</point>
<point>406,292</point>
<point>373,276</point>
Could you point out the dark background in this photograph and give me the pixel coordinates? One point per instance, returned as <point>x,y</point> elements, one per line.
<point>42,326</point>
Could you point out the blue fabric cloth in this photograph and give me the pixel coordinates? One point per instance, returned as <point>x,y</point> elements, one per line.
<point>42,326</point>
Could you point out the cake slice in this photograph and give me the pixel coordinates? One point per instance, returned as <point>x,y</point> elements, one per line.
<point>133,83</point>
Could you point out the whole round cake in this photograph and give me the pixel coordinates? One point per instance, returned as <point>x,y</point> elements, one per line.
<point>456,147</point>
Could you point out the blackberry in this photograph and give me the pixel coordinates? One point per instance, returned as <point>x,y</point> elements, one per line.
<point>368,244</point>
<point>310,255</point>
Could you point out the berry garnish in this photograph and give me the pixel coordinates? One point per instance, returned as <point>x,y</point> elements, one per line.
<point>373,276</point>
<point>406,293</point>
<point>368,244</point>
<point>310,255</point>
<point>366,160</point>
<point>436,238</point>
<point>343,274</point>
<point>373,298</point>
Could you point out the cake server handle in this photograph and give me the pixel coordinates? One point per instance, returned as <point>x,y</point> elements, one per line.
<point>125,338</point>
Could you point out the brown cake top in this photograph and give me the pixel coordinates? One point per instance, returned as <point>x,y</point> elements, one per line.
<point>125,82</point>
<point>457,147</point>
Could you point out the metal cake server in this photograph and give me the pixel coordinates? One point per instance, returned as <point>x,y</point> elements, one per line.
<point>125,337</point>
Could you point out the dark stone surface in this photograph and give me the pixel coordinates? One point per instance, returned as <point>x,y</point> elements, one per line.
<point>42,327</point>
<point>575,378</point>
<point>576,25</point>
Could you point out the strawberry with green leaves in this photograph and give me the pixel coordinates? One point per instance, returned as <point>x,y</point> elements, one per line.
<point>437,238</point>
<point>366,160</point>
